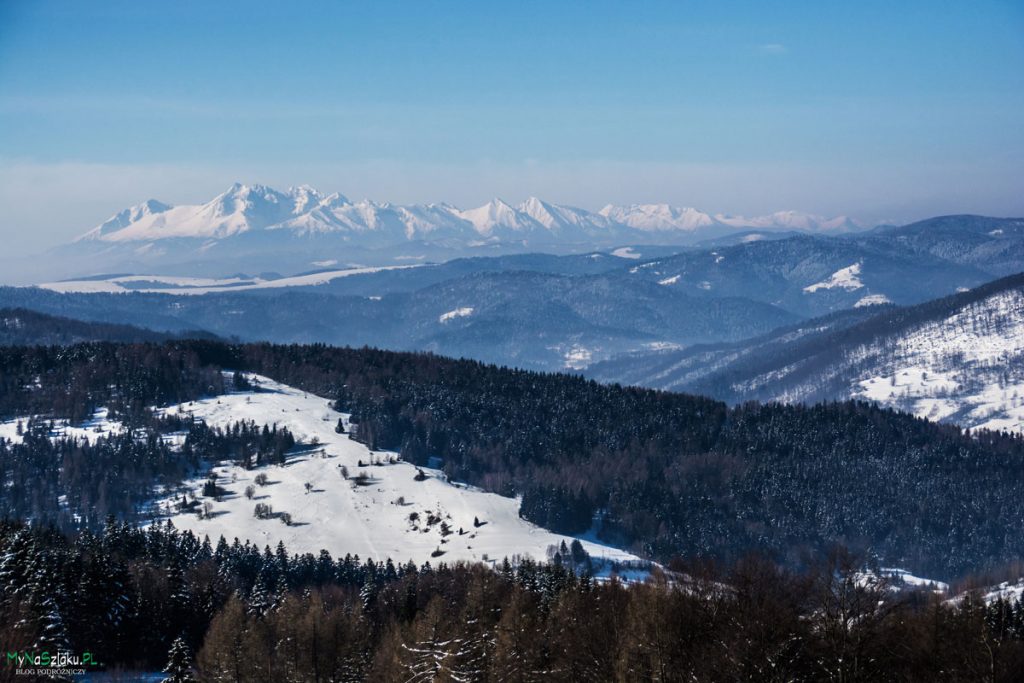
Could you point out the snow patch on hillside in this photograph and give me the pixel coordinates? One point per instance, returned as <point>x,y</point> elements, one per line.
<point>462,312</point>
<point>626,252</point>
<point>578,357</point>
<point>845,278</point>
<point>872,300</point>
<point>1011,592</point>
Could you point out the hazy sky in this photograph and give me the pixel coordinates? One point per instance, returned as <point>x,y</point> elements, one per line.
<point>880,110</point>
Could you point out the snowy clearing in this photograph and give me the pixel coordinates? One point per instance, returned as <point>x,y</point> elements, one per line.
<point>845,278</point>
<point>374,519</point>
<point>872,300</point>
<point>461,312</point>
<point>96,427</point>
<point>896,580</point>
<point>626,252</point>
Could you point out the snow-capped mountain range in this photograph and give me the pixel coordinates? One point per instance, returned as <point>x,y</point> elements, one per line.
<point>304,211</point>
<point>258,229</point>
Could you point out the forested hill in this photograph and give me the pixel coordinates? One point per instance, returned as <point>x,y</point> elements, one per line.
<point>958,359</point>
<point>19,326</point>
<point>664,474</point>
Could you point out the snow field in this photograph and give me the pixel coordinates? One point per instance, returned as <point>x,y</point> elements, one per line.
<point>845,278</point>
<point>188,285</point>
<point>337,514</point>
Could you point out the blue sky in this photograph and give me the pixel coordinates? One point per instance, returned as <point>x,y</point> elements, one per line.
<point>880,110</point>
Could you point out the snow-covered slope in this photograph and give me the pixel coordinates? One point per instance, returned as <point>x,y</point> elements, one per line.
<point>497,218</point>
<point>967,367</point>
<point>385,517</point>
<point>959,359</point>
<point>845,278</point>
<point>396,511</point>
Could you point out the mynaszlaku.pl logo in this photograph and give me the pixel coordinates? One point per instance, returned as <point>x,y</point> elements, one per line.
<point>46,663</point>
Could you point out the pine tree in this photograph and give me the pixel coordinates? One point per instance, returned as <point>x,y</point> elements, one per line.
<point>45,597</point>
<point>15,561</point>
<point>52,631</point>
<point>261,598</point>
<point>179,663</point>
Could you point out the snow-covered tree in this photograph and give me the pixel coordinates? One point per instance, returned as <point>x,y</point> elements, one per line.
<point>179,663</point>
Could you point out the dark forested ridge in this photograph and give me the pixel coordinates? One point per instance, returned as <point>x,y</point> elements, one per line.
<point>72,382</point>
<point>664,474</point>
<point>20,326</point>
<point>138,600</point>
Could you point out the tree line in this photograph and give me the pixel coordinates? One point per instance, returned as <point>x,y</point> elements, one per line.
<point>233,612</point>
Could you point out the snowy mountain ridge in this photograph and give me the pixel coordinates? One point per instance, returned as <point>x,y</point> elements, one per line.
<point>305,210</point>
<point>667,218</point>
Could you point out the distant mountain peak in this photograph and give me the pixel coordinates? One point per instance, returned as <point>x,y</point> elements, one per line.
<point>126,217</point>
<point>792,220</point>
<point>658,217</point>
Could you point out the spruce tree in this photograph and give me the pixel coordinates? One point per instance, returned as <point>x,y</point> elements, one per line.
<point>179,663</point>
